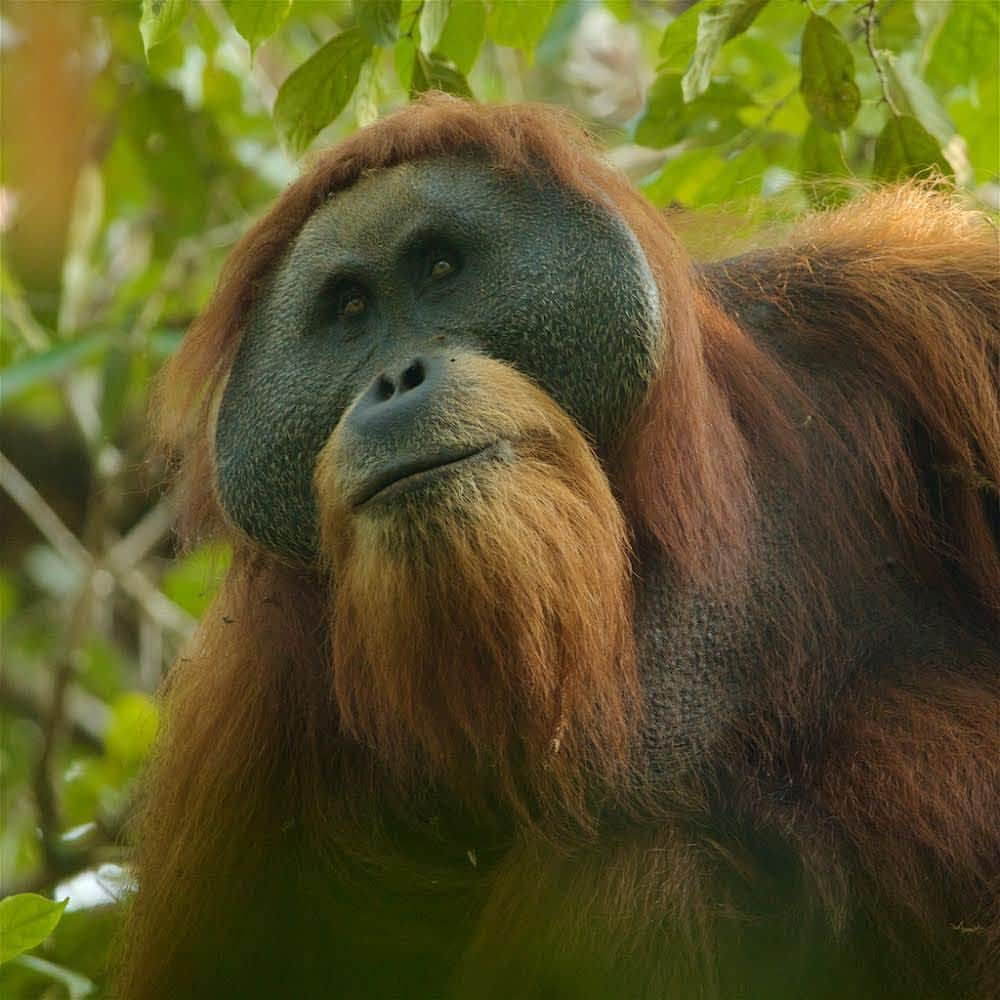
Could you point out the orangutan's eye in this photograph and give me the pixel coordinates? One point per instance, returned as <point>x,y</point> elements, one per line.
<point>353,302</point>
<point>441,267</point>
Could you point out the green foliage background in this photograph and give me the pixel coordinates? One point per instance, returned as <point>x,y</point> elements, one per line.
<point>139,141</point>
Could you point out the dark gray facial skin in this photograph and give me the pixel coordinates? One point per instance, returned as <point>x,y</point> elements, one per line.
<point>536,277</point>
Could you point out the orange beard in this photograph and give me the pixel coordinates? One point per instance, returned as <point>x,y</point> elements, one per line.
<point>482,634</point>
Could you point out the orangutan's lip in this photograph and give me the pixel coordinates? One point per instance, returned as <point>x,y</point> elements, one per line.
<point>406,473</point>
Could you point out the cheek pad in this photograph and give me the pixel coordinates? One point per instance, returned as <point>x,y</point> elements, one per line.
<point>276,412</point>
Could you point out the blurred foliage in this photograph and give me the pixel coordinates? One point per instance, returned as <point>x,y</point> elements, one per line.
<point>139,141</point>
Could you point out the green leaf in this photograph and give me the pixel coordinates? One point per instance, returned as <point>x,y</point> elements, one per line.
<point>678,42</point>
<point>8,596</point>
<point>433,17</point>
<point>182,155</point>
<point>379,19</point>
<point>976,118</point>
<point>667,119</point>
<point>409,17</point>
<point>621,10</point>
<point>828,86</point>
<point>905,149</point>
<point>915,97</point>
<point>968,45</point>
<point>821,153</point>
<point>160,19</point>
<point>366,95</point>
<point>191,582</point>
<point>26,920</point>
<point>740,177</point>
<point>316,92</point>
<point>520,23</point>
<point>257,20</point>
<point>662,120</point>
<point>51,364</point>
<point>463,34</point>
<point>821,159</point>
<point>115,383</point>
<point>404,56</point>
<point>434,73</point>
<point>132,730</point>
<point>678,180</point>
<point>715,27</point>
<point>898,27</point>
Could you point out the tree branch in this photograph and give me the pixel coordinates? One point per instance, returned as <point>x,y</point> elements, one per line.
<point>870,21</point>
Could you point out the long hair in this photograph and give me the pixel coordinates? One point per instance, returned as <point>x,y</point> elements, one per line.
<point>289,708</point>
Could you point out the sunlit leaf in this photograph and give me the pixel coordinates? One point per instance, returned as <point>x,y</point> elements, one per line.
<point>48,365</point>
<point>366,95</point>
<point>160,19</point>
<point>623,10</point>
<point>740,177</point>
<point>316,92</point>
<point>716,26</point>
<point>404,55</point>
<point>132,730</point>
<point>520,23</point>
<point>897,25</point>
<point>463,34</point>
<point>667,119</point>
<point>678,42</point>
<point>378,19</point>
<point>191,582</point>
<point>919,99</point>
<point>968,44</point>
<point>976,118</point>
<point>679,179</point>
<point>828,86</point>
<point>434,73</point>
<point>905,149</point>
<point>257,20</point>
<point>26,920</point>
<point>433,17</point>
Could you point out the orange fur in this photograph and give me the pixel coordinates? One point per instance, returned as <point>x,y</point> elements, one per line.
<point>505,671</point>
<point>508,656</point>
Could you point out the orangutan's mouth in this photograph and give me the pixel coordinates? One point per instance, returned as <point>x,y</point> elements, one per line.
<point>408,474</point>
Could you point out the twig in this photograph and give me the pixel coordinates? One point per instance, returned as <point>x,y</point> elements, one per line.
<point>151,528</point>
<point>869,20</point>
<point>154,602</point>
<point>42,516</point>
<point>157,605</point>
<point>86,716</point>
<point>46,801</point>
<point>101,851</point>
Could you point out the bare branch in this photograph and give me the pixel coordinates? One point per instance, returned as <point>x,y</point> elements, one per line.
<point>151,528</point>
<point>86,716</point>
<point>43,516</point>
<point>870,21</point>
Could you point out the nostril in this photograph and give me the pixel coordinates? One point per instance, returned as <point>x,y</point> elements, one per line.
<point>384,389</point>
<point>413,376</point>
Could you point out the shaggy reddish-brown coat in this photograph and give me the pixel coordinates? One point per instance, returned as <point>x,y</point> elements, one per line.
<point>894,823</point>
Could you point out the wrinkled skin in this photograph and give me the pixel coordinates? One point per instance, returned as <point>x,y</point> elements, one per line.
<point>544,271</point>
